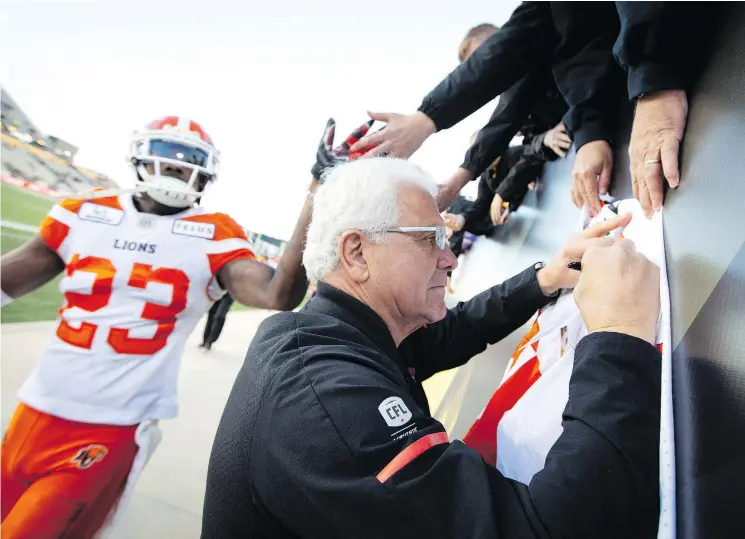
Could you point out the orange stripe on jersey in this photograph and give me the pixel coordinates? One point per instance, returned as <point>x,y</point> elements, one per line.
<point>218,260</point>
<point>53,232</point>
<point>73,204</point>
<point>410,453</point>
<point>225,227</point>
<point>524,342</point>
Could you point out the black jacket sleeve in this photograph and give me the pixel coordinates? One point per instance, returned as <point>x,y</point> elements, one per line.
<point>515,185</point>
<point>477,218</point>
<point>586,72</point>
<point>538,151</point>
<point>526,40</point>
<point>663,45</point>
<point>527,169</point>
<point>513,107</point>
<point>469,327</point>
<point>349,454</point>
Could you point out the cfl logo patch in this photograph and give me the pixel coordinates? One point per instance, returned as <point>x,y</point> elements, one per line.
<point>88,456</point>
<point>394,411</point>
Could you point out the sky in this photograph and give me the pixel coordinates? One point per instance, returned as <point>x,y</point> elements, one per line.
<point>262,78</point>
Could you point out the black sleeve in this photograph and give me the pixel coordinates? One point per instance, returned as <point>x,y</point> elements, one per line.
<point>515,185</point>
<point>537,150</point>
<point>469,327</point>
<point>513,107</point>
<point>351,455</point>
<point>612,444</point>
<point>586,72</point>
<point>527,39</point>
<point>663,45</point>
<point>527,169</point>
<point>477,219</point>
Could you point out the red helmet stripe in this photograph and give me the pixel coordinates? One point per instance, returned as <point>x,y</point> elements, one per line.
<point>180,122</point>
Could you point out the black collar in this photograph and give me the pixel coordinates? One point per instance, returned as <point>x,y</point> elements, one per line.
<point>333,301</point>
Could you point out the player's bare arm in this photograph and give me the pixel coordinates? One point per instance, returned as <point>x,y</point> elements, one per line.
<point>256,284</point>
<point>29,267</point>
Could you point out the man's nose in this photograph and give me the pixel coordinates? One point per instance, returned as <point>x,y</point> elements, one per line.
<point>447,260</point>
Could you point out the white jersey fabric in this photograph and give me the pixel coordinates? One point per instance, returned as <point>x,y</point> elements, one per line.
<point>135,285</point>
<point>522,420</point>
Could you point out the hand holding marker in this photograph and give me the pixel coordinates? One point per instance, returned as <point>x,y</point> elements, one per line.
<point>577,266</point>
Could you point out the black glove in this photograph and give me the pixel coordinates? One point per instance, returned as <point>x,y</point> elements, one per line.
<point>327,156</point>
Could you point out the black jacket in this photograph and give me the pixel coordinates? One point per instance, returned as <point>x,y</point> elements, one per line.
<point>459,205</point>
<point>531,106</point>
<point>664,45</point>
<point>517,168</point>
<point>492,181</point>
<point>661,45</point>
<point>572,39</point>
<point>327,433</point>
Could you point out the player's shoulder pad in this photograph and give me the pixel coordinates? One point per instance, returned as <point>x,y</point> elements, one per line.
<point>70,211</point>
<point>223,227</point>
<point>74,205</point>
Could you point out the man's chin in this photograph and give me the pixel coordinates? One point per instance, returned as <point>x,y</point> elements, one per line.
<point>437,313</point>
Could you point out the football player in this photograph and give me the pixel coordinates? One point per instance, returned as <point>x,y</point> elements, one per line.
<point>140,270</point>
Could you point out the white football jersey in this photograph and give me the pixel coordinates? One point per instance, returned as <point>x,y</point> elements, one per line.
<point>135,285</point>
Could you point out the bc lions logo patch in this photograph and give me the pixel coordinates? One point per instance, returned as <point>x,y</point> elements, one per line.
<point>88,456</point>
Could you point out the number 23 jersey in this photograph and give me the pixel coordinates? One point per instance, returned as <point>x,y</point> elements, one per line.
<point>135,285</point>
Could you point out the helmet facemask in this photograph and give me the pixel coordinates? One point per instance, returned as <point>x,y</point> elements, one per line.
<point>162,150</point>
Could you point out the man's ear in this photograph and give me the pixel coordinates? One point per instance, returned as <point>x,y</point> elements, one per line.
<point>352,255</point>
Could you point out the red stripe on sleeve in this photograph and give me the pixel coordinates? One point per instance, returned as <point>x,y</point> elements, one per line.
<point>410,453</point>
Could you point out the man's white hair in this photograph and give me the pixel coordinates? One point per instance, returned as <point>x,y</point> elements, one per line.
<point>360,195</point>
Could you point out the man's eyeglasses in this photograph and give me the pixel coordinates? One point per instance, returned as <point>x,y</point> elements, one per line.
<point>441,239</point>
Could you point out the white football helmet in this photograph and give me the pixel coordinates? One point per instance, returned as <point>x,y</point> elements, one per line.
<point>175,141</point>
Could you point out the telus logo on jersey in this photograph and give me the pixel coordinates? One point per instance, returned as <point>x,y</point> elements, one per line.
<point>192,228</point>
<point>125,245</point>
<point>394,411</point>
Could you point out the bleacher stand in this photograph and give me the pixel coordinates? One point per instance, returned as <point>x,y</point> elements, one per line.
<point>44,161</point>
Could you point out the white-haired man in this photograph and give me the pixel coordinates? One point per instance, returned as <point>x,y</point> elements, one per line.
<point>327,432</point>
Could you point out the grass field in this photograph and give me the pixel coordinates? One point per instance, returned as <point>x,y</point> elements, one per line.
<point>21,206</point>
